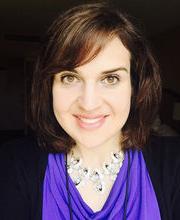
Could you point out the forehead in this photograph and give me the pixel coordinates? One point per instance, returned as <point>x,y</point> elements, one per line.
<point>113,55</point>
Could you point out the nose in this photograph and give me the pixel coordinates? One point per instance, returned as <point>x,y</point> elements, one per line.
<point>89,98</point>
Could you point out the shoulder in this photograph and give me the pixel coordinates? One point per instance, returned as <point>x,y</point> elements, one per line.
<point>23,158</point>
<point>162,154</point>
<point>26,144</point>
<point>25,149</point>
<point>22,169</point>
<point>162,157</point>
<point>163,150</point>
<point>165,141</point>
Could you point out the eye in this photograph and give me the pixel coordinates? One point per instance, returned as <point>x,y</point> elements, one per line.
<point>68,78</point>
<point>111,79</point>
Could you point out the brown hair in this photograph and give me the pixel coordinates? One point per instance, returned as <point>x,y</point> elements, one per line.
<point>75,38</point>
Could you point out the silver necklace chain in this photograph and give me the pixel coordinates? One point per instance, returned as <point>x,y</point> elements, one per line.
<point>81,174</point>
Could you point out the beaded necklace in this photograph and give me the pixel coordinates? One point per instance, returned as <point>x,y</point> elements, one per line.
<point>81,174</point>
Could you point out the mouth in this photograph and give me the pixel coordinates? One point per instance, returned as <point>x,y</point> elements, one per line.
<point>90,122</point>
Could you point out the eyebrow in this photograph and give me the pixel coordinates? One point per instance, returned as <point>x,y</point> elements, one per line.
<point>107,71</point>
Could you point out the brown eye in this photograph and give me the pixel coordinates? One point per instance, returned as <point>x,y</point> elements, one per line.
<point>68,79</point>
<point>111,80</point>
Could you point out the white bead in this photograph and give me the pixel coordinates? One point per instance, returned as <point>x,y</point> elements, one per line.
<point>80,175</point>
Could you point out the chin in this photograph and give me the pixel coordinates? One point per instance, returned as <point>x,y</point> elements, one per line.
<point>91,143</point>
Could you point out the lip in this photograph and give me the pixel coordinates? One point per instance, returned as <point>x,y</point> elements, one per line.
<point>90,125</point>
<point>90,116</point>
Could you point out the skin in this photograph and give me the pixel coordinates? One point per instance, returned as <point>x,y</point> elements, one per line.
<point>99,87</point>
<point>95,88</point>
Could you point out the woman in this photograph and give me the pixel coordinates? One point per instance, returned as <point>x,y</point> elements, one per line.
<point>95,93</point>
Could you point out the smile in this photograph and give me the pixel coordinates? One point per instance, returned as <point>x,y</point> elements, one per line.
<point>90,122</point>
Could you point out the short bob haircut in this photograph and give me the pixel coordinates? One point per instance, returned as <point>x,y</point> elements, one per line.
<point>75,38</point>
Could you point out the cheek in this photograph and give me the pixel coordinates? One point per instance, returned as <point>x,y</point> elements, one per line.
<point>122,106</point>
<point>62,100</point>
<point>122,100</point>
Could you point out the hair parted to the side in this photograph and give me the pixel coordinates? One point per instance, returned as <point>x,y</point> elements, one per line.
<point>75,38</point>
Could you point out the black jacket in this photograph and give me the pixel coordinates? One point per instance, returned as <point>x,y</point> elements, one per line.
<point>23,165</point>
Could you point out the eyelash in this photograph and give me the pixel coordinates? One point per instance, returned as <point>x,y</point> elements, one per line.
<point>114,76</point>
<point>63,77</point>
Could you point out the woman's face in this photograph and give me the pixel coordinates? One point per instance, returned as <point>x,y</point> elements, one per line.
<point>92,102</point>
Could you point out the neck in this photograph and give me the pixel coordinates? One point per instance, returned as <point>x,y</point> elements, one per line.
<point>94,157</point>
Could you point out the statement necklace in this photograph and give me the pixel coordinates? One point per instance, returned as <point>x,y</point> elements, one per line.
<point>80,174</point>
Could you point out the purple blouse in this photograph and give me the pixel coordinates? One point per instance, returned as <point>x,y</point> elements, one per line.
<point>141,205</point>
